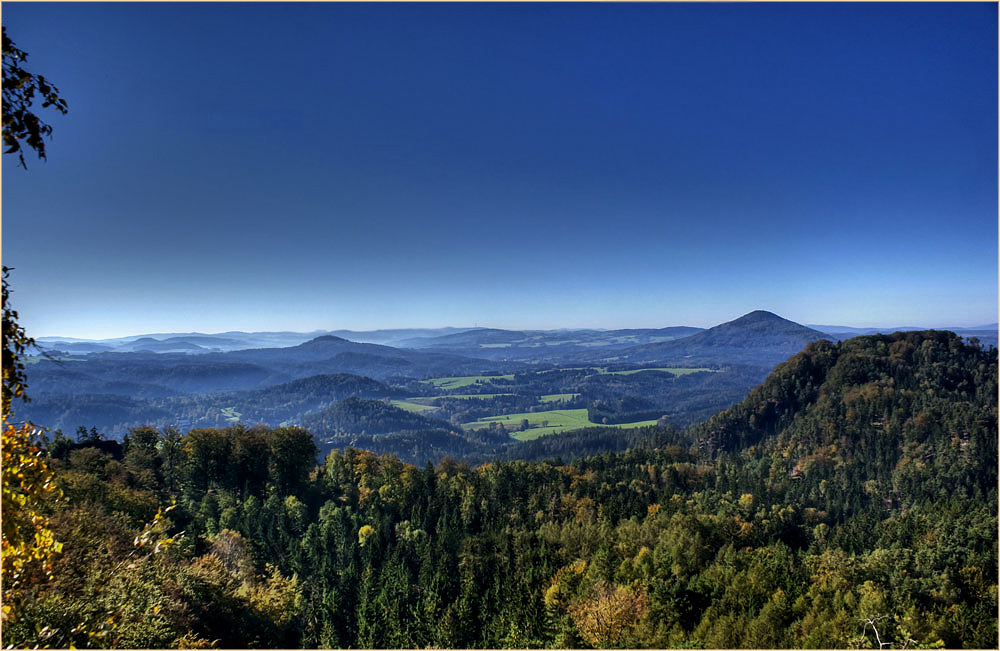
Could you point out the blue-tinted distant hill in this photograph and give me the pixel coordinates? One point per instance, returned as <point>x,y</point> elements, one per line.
<point>488,343</point>
<point>115,408</point>
<point>170,345</point>
<point>162,374</point>
<point>470,338</point>
<point>393,336</point>
<point>196,342</point>
<point>328,354</point>
<point>542,345</point>
<point>283,401</point>
<point>361,416</point>
<point>112,414</point>
<point>73,347</point>
<point>179,342</point>
<point>149,374</point>
<point>758,338</point>
<point>986,334</point>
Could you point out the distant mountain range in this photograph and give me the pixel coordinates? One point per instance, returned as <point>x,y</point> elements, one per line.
<point>179,378</point>
<point>490,343</point>
<point>186,342</point>
<point>145,373</point>
<point>542,345</point>
<point>758,338</point>
<point>985,333</point>
<point>148,366</point>
<point>487,343</point>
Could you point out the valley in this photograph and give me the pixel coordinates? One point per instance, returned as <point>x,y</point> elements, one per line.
<point>681,474</point>
<point>532,425</point>
<point>856,477</point>
<point>503,399</point>
<point>454,381</point>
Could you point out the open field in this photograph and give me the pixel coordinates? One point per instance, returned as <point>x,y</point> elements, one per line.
<point>464,380</point>
<point>474,396</point>
<point>457,382</point>
<point>567,368</point>
<point>556,421</point>
<point>422,400</point>
<point>675,371</point>
<point>558,397</point>
<point>414,407</point>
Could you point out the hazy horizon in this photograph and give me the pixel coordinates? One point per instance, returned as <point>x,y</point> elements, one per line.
<point>525,166</point>
<point>811,324</point>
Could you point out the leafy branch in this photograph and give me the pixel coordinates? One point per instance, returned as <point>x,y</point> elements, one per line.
<point>20,123</point>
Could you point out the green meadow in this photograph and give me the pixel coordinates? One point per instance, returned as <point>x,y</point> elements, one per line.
<point>556,421</point>
<point>460,381</point>
<point>675,371</point>
<point>414,407</point>
<point>558,397</point>
<point>474,396</point>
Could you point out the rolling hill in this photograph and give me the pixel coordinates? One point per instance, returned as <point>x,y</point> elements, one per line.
<point>361,416</point>
<point>331,354</point>
<point>758,338</point>
<point>170,373</point>
<point>542,345</point>
<point>902,411</point>
<point>282,402</point>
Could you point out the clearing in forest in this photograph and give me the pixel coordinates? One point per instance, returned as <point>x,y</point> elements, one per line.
<point>464,380</point>
<point>543,423</point>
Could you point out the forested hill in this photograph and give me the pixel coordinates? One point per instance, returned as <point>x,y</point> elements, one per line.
<point>855,490</point>
<point>759,327</point>
<point>360,416</point>
<point>317,388</point>
<point>543,345</point>
<point>759,337</point>
<point>909,416</point>
<point>168,374</point>
<point>906,388</point>
<point>285,401</point>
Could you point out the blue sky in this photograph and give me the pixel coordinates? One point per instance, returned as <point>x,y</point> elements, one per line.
<point>303,166</point>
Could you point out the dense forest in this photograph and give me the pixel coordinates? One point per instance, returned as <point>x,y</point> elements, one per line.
<point>685,377</point>
<point>849,501</point>
<point>361,416</point>
<point>117,407</point>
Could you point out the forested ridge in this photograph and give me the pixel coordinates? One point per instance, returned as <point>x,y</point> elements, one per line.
<point>361,416</point>
<point>849,500</point>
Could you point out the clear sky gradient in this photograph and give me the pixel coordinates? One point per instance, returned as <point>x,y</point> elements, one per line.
<point>322,166</point>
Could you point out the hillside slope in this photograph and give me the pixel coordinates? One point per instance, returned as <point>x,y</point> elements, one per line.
<point>362,416</point>
<point>914,414</point>
<point>760,337</point>
<point>543,345</point>
<point>330,354</point>
<point>165,374</point>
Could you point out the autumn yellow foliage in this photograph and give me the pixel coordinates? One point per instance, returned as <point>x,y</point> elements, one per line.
<point>609,614</point>
<point>28,543</point>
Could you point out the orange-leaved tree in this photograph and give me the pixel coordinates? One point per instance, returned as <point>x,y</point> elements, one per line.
<point>609,614</point>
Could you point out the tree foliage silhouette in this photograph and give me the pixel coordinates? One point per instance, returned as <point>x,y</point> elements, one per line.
<point>21,125</point>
